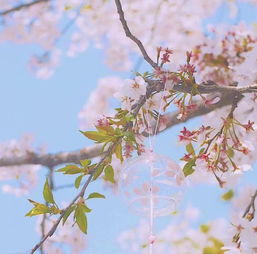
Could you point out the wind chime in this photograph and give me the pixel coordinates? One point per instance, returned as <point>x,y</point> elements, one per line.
<point>150,183</point>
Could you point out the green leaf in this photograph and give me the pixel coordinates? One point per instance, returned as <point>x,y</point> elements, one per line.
<point>78,181</point>
<point>68,7</point>
<point>230,152</point>
<point>118,152</point>
<point>217,244</point>
<point>144,245</point>
<point>96,136</point>
<point>228,195</point>
<point>190,149</point>
<point>95,195</point>
<point>81,219</point>
<point>109,174</point>
<point>86,209</point>
<point>107,130</point>
<point>188,168</point>
<point>54,210</point>
<point>205,228</point>
<point>85,163</point>
<point>67,214</point>
<point>201,151</point>
<point>101,129</point>
<point>119,132</point>
<point>47,193</point>
<point>98,171</point>
<point>37,209</point>
<point>130,136</point>
<point>33,202</point>
<point>209,250</point>
<point>71,170</point>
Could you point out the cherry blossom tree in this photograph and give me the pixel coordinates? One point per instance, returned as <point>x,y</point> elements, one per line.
<point>195,69</point>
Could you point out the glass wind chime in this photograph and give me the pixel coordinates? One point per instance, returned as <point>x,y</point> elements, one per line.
<point>150,183</point>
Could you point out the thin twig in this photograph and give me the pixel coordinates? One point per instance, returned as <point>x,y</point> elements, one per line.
<point>64,30</point>
<point>135,109</point>
<point>42,226</point>
<point>133,37</point>
<point>21,6</point>
<point>50,176</point>
<point>79,195</point>
<point>54,227</point>
<point>234,105</point>
<point>64,186</point>
<point>205,87</point>
<point>250,207</point>
<point>202,109</point>
<point>153,29</point>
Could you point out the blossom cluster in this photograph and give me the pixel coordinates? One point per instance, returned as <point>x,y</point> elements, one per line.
<point>99,102</point>
<point>41,24</point>
<point>227,57</point>
<point>220,152</point>
<point>243,226</point>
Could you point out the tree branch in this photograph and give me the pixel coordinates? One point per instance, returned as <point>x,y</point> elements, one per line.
<point>202,109</point>
<point>209,87</point>
<point>173,121</point>
<point>135,109</point>
<point>52,160</point>
<point>203,88</point>
<point>250,207</point>
<point>21,6</point>
<point>133,37</point>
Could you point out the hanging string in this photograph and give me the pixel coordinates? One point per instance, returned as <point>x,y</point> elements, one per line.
<point>151,208</point>
<point>151,164</point>
<point>159,115</point>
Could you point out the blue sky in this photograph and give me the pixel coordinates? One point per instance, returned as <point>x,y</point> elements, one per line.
<point>48,109</point>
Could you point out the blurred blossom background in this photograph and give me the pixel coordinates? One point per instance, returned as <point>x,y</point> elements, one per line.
<point>46,98</point>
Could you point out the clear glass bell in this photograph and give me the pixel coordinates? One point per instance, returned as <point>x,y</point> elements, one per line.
<point>151,183</point>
